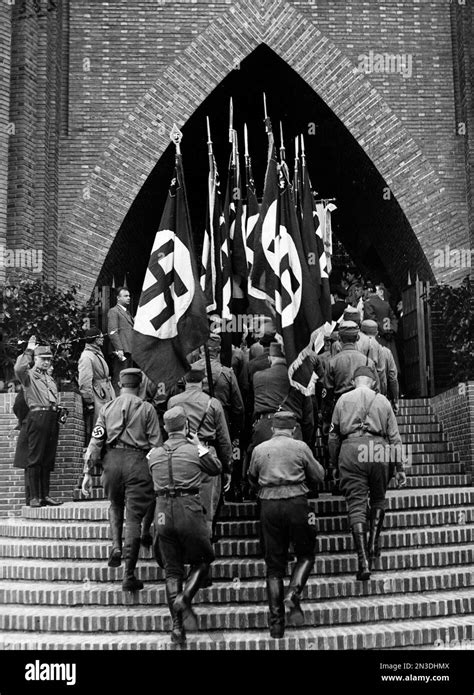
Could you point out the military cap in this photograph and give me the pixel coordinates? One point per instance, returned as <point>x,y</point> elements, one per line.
<point>43,351</point>
<point>276,350</point>
<point>92,333</point>
<point>175,418</point>
<point>352,314</point>
<point>369,327</point>
<point>334,336</point>
<point>130,377</point>
<point>364,370</point>
<point>196,374</point>
<point>284,420</point>
<point>348,328</point>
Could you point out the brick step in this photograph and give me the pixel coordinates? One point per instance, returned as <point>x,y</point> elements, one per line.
<point>415,401</point>
<point>235,591</point>
<point>212,617</point>
<point>325,505</point>
<point>397,634</point>
<point>436,469</point>
<point>409,436</point>
<point>422,481</point>
<point>417,419</point>
<point>70,569</point>
<point>87,529</point>
<point>99,549</point>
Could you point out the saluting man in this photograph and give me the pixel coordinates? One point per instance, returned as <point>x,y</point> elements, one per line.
<point>363,426</point>
<point>284,468</point>
<point>177,468</point>
<point>129,428</point>
<point>42,429</point>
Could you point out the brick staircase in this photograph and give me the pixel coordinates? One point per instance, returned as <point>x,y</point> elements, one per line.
<point>57,592</point>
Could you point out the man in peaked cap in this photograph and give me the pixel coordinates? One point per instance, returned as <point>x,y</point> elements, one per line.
<point>369,346</point>
<point>338,377</point>
<point>177,469</point>
<point>42,429</point>
<point>129,428</point>
<point>365,443</point>
<point>283,468</point>
<point>95,384</point>
<point>207,419</point>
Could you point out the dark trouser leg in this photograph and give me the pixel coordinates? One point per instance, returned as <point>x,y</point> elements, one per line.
<point>33,473</point>
<point>116,530</point>
<point>139,496</point>
<point>44,482</point>
<point>378,480</point>
<point>183,603</point>
<point>303,537</point>
<point>146,537</point>
<point>276,538</point>
<point>27,487</point>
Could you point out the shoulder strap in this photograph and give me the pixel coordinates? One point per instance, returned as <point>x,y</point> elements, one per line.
<point>169,451</point>
<point>204,416</point>
<point>125,424</point>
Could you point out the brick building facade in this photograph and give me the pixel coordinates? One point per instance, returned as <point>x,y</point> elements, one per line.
<point>91,89</point>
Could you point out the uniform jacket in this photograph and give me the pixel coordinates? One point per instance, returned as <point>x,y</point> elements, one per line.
<point>199,405</point>
<point>282,466</point>
<point>94,381</point>
<point>38,386</point>
<point>119,328</point>
<point>186,463</point>
<point>127,419</point>
<point>391,374</point>
<point>227,392</point>
<point>379,310</point>
<point>341,367</point>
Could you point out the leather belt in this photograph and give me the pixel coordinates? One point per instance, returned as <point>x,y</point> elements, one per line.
<point>178,492</point>
<point>121,445</point>
<point>362,433</point>
<point>33,408</point>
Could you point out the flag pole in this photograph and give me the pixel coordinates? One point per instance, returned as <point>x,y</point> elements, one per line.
<point>207,357</point>
<point>231,121</point>
<point>282,144</point>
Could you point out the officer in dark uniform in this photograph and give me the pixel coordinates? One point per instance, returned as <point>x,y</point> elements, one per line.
<point>177,468</point>
<point>272,391</point>
<point>207,419</point>
<point>129,428</point>
<point>283,468</point>
<point>365,440</point>
<point>42,428</point>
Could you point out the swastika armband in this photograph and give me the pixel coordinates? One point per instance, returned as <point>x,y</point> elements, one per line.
<point>98,432</point>
<point>331,429</point>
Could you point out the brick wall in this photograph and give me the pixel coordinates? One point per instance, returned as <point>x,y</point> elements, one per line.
<point>68,460</point>
<point>91,82</point>
<point>455,410</point>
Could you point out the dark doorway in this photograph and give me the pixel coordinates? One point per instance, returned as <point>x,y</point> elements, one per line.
<point>369,225</point>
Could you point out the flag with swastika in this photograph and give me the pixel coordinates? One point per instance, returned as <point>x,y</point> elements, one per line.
<point>171,319</point>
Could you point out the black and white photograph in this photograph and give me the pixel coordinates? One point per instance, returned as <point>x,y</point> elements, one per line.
<point>236,349</point>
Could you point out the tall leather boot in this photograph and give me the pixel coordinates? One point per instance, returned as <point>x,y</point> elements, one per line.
<point>182,604</point>
<point>146,538</point>
<point>116,529</point>
<point>130,582</point>
<point>298,581</point>
<point>359,533</point>
<point>34,481</point>
<point>173,588</point>
<point>376,524</point>
<point>277,609</point>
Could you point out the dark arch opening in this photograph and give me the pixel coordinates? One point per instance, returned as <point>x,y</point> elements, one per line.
<point>369,225</point>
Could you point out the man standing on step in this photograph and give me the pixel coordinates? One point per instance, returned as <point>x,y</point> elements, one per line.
<point>120,330</point>
<point>207,420</point>
<point>283,469</point>
<point>42,428</point>
<point>177,468</point>
<point>129,428</point>
<point>364,440</point>
<point>95,385</point>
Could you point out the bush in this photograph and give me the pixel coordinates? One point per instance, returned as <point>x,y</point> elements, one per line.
<point>455,306</point>
<point>54,316</point>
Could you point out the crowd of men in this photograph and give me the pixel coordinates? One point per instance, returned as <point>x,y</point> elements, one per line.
<point>173,458</point>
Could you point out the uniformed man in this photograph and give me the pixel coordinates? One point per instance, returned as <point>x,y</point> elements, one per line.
<point>95,384</point>
<point>129,428</point>
<point>120,330</point>
<point>272,392</point>
<point>42,427</point>
<point>391,378</point>
<point>369,346</point>
<point>365,442</point>
<point>177,468</point>
<point>207,419</point>
<point>284,468</point>
<point>377,308</point>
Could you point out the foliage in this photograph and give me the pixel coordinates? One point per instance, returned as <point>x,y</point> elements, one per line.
<point>455,305</point>
<point>54,316</point>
